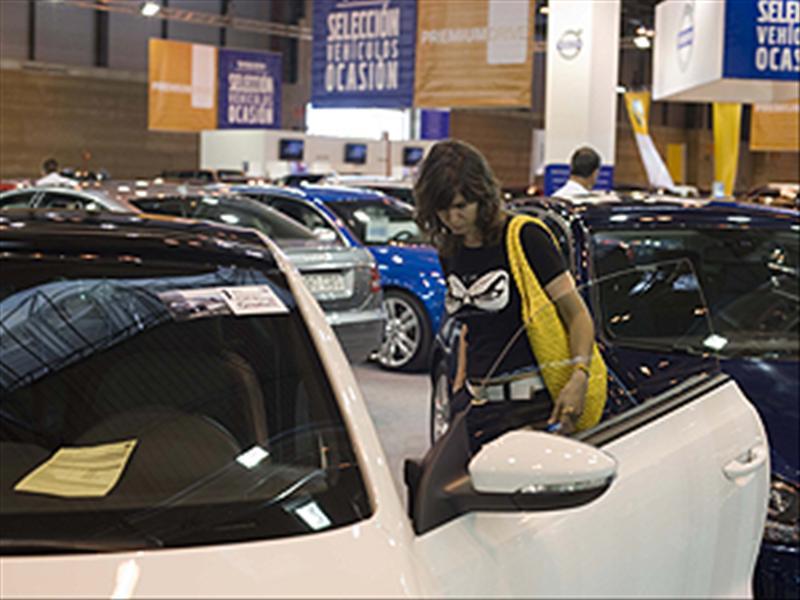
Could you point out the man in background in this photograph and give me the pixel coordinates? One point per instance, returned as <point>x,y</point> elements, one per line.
<point>51,177</point>
<point>584,168</point>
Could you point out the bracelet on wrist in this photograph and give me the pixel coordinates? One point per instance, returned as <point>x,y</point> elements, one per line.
<point>584,368</point>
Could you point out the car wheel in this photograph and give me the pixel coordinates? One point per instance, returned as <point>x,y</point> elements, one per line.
<point>407,333</point>
<point>440,403</point>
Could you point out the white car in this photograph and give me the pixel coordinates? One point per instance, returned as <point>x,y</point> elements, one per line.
<point>177,419</point>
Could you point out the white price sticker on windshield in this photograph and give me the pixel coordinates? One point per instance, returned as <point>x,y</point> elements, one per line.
<point>253,300</point>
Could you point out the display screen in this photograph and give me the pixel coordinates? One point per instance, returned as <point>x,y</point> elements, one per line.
<point>412,155</point>
<point>355,153</point>
<point>291,149</point>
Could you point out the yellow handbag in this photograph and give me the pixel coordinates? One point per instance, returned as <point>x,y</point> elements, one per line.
<point>547,334</point>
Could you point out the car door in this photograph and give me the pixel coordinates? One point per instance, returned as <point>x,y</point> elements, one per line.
<point>683,517</point>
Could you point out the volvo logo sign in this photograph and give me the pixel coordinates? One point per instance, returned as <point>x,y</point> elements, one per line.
<point>570,43</point>
<point>685,41</point>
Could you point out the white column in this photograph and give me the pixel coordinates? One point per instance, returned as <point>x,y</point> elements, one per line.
<point>581,92</point>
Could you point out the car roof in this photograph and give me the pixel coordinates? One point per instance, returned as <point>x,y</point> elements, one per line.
<point>666,213</point>
<point>267,188</point>
<point>329,192</point>
<point>183,240</point>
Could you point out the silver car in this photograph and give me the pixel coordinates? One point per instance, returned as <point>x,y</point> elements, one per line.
<point>61,197</point>
<point>343,279</point>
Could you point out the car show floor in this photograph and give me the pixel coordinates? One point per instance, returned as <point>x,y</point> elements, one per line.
<point>399,406</point>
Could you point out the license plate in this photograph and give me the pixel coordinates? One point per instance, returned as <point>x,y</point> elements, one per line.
<point>330,286</point>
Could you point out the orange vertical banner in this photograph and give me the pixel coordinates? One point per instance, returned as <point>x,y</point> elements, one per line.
<point>182,86</point>
<point>775,127</point>
<point>474,53</point>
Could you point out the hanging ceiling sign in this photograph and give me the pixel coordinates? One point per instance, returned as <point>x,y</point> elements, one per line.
<point>182,79</point>
<point>775,127</point>
<point>249,90</point>
<point>474,53</point>
<point>731,51</point>
<point>363,53</point>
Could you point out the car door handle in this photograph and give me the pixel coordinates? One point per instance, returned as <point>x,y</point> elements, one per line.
<point>751,461</point>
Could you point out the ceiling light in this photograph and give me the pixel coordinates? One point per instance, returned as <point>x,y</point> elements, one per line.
<point>642,42</point>
<point>544,10</point>
<point>150,8</point>
<point>621,89</point>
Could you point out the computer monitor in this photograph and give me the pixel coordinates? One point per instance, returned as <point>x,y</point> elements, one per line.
<point>355,153</point>
<point>290,149</point>
<point>412,155</point>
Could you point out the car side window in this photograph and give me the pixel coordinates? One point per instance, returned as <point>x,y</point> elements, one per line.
<point>18,200</point>
<point>171,206</point>
<point>66,201</point>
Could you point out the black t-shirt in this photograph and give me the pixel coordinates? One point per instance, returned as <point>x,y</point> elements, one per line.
<point>482,292</point>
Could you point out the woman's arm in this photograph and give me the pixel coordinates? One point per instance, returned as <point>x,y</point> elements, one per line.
<point>580,329</point>
<point>461,362</point>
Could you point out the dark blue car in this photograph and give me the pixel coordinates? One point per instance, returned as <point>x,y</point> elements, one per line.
<point>747,264</point>
<point>411,276</point>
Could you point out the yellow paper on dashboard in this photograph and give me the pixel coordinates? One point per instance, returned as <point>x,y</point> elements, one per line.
<point>85,472</point>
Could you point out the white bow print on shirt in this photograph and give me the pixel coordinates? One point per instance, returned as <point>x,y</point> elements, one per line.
<point>490,292</point>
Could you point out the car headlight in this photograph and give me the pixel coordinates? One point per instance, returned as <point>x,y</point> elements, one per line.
<point>783,525</point>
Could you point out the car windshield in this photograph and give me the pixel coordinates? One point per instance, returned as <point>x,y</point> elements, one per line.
<point>149,403</point>
<point>232,210</point>
<point>749,277</point>
<point>379,221</point>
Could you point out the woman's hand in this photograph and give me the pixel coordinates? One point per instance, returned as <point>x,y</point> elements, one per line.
<point>568,406</point>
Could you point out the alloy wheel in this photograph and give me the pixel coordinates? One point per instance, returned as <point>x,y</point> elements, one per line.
<point>402,333</point>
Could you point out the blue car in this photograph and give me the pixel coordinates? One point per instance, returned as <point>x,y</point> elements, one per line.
<point>411,276</point>
<point>746,260</point>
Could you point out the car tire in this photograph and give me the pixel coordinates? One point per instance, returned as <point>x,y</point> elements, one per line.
<point>440,415</point>
<point>407,333</point>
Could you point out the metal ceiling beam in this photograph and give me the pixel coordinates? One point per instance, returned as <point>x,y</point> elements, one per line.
<point>132,7</point>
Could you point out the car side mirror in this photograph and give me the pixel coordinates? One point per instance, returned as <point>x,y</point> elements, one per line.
<point>533,462</point>
<point>522,470</point>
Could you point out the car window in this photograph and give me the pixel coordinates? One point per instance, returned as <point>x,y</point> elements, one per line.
<point>17,200</point>
<point>248,213</point>
<point>749,278</point>
<point>176,207</point>
<point>301,213</point>
<point>379,221</point>
<point>67,201</point>
<point>215,426</point>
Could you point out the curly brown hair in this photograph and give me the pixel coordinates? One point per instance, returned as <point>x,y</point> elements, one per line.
<point>454,167</point>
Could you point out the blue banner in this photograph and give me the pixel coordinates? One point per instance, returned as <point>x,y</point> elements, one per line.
<point>249,90</point>
<point>762,39</point>
<point>434,124</point>
<point>363,53</point>
<point>556,175</point>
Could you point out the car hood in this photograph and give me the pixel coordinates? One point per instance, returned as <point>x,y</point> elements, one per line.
<point>360,560</point>
<point>774,388</point>
<point>310,255</point>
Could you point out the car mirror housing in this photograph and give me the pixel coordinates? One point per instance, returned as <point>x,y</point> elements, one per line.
<point>522,470</point>
<point>533,462</point>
